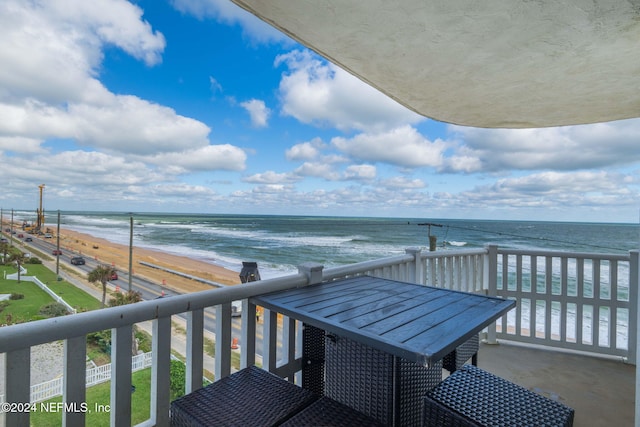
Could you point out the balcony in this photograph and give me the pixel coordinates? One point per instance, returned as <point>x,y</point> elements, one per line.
<point>572,335</point>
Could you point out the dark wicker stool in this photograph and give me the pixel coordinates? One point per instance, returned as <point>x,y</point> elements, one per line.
<point>328,412</point>
<point>250,397</point>
<point>457,358</point>
<point>385,387</point>
<point>473,397</point>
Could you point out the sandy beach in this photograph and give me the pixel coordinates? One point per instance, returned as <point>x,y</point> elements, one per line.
<point>118,256</point>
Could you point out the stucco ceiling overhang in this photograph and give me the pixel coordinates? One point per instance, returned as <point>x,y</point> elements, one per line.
<point>489,63</point>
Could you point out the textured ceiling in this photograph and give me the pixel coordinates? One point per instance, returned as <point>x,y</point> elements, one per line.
<point>490,63</point>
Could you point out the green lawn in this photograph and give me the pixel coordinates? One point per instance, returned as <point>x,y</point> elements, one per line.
<point>26,309</point>
<point>98,398</point>
<point>36,297</point>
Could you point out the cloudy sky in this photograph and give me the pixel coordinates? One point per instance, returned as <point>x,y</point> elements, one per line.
<point>197,106</point>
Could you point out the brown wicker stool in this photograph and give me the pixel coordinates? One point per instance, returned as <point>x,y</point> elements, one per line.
<point>250,397</point>
<point>473,397</point>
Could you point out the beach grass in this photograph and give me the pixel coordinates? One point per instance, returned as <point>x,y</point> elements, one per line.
<point>97,404</point>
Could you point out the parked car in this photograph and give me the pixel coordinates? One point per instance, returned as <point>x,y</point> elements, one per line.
<point>56,252</point>
<point>236,308</point>
<point>77,260</point>
<point>48,235</point>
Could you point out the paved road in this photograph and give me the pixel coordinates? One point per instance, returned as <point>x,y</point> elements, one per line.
<point>148,289</point>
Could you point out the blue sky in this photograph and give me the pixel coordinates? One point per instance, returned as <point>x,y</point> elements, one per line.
<point>197,106</point>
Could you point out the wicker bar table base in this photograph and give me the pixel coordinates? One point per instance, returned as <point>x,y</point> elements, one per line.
<point>384,387</point>
<point>457,358</point>
<point>473,397</point>
<point>250,397</point>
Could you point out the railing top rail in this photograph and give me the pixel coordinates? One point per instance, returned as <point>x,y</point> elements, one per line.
<point>360,267</point>
<point>454,253</point>
<point>564,254</point>
<point>28,334</point>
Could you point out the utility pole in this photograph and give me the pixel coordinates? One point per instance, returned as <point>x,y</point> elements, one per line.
<point>130,252</point>
<point>58,248</point>
<point>433,240</point>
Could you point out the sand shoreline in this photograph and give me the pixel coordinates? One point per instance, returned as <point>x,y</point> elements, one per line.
<point>117,255</point>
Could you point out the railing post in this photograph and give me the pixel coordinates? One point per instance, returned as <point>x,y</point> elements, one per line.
<point>17,371</point>
<point>634,319</point>
<point>75,379</point>
<point>160,371</point>
<point>248,334</point>
<point>415,273</point>
<point>121,376</point>
<point>313,271</point>
<point>492,287</point>
<point>195,342</point>
<point>223,341</point>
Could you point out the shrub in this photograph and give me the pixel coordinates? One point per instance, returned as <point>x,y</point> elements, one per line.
<point>53,309</point>
<point>102,339</point>
<point>123,298</point>
<point>144,341</point>
<point>33,260</point>
<point>177,375</point>
<point>15,296</point>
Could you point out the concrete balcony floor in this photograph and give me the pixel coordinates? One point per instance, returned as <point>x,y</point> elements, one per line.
<point>601,391</point>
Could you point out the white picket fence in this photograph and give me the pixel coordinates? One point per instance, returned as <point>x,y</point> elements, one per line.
<point>42,286</point>
<point>97,375</point>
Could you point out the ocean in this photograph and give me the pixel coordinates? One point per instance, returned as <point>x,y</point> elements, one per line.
<point>280,243</point>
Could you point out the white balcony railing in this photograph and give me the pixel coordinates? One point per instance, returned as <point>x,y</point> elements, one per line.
<point>578,301</point>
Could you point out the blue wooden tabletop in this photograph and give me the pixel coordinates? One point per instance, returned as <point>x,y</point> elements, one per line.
<point>418,323</point>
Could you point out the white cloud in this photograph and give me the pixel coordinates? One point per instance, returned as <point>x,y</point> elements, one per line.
<point>51,50</point>
<point>214,85</point>
<point>317,92</point>
<point>258,111</point>
<point>403,146</point>
<point>561,148</point>
<point>271,177</point>
<point>309,150</point>
<point>131,125</point>
<point>320,170</point>
<point>51,54</point>
<point>402,182</point>
<point>17,144</point>
<point>562,192</point>
<point>360,172</point>
<point>181,191</point>
<point>124,124</point>
<point>116,22</point>
<point>229,13</point>
<point>208,158</point>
